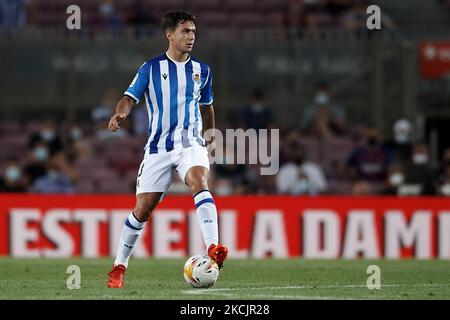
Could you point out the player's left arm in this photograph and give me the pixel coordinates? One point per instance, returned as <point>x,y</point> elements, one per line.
<point>207,110</point>
<point>209,122</point>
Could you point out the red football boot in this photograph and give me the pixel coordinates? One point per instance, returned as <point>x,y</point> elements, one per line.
<point>219,253</point>
<point>115,276</point>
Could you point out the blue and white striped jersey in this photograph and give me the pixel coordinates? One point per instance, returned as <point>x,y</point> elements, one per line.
<point>173,92</point>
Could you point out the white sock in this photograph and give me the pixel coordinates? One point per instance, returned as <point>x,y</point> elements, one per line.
<point>131,231</point>
<point>207,217</point>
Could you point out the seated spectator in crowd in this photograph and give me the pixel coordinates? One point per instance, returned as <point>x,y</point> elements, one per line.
<point>108,17</point>
<point>59,178</point>
<point>257,115</point>
<point>419,175</point>
<point>37,161</point>
<point>370,161</point>
<point>226,166</point>
<point>48,134</point>
<point>76,146</point>
<point>300,176</point>
<point>324,118</point>
<point>361,188</point>
<point>12,179</point>
<point>102,114</point>
<point>223,187</point>
<point>395,180</point>
<point>13,14</point>
<point>139,117</point>
<point>138,15</point>
<point>442,181</point>
<point>400,144</point>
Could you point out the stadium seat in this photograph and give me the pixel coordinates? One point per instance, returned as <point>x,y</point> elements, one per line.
<point>249,19</point>
<point>113,185</point>
<point>240,5</point>
<point>12,128</point>
<point>205,5</point>
<point>312,148</point>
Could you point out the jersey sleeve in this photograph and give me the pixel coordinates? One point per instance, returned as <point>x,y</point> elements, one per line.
<point>139,84</point>
<point>207,96</point>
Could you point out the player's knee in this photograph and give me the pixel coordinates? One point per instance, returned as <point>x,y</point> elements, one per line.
<point>198,183</point>
<point>142,211</point>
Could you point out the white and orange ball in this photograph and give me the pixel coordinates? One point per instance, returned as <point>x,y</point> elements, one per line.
<point>200,271</point>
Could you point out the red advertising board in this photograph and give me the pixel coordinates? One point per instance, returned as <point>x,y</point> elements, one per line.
<point>434,59</point>
<point>251,226</point>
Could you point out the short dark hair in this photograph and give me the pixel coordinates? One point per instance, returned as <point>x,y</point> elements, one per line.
<point>173,18</point>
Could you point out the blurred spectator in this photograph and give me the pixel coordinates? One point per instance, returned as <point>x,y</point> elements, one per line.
<point>418,173</point>
<point>12,179</point>
<point>324,118</point>
<point>223,187</point>
<point>137,14</point>
<point>108,17</point>
<point>13,14</point>
<point>394,181</point>
<point>361,188</point>
<point>37,161</point>
<point>280,25</point>
<point>226,167</point>
<point>48,134</point>
<point>59,178</point>
<point>139,117</point>
<point>370,161</point>
<point>314,15</point>
<point>442,182</point>
<point>77,147</point>
<point>257,115</point>
<point>294,18</point>
<point>102,114</point>
<point>400,144</point>
<point>300,176</point>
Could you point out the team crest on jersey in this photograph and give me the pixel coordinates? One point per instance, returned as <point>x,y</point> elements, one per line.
<point>196,77</point>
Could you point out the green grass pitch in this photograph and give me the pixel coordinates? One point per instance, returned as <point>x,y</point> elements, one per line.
<point>240,279</point>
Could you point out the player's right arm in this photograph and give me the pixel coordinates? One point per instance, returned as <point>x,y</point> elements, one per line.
<point>130,97</point>
<point>123,109</point>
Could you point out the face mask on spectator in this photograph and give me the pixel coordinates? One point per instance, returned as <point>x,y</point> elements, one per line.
<point>445,189</point>
<point>257,107</point>
<point>224,190</point>
<point>401,137</point>
<point>301,187</point>
<point>396,179</point>
<point>76,133</point>
<point>402,131</point>
<point>420,158</point>
<point>41,154</point>
<point>53,174</point>
<point>106,9</point>
<point>13,173</point>
<point>47,134</point>
<point>321,99</point>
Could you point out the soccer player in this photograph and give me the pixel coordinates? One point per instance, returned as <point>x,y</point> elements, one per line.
<point>179,98</point>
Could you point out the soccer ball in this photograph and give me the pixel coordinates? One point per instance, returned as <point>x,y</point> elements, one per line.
<point>200,271</point>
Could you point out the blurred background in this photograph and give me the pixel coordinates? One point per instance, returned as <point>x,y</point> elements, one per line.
<point>362,112</point>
